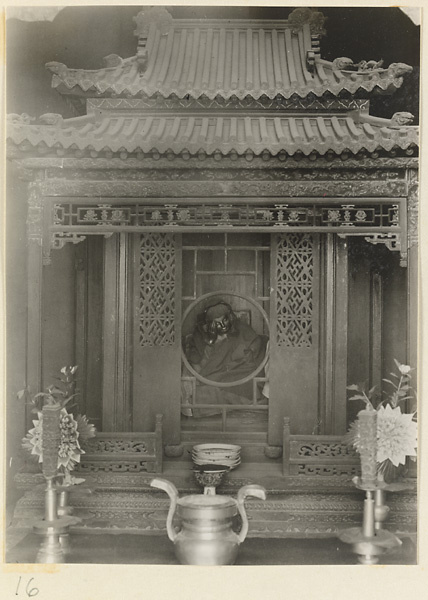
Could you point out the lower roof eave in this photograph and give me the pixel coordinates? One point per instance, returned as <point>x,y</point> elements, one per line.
<point>374,160</point>
<point>193,134</point>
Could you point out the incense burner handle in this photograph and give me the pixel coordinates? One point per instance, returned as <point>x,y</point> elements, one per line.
<point>248,490</point>
<point>172,492</point>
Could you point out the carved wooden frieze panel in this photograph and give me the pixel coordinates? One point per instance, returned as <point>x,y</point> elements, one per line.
<point>294,297</point>
<point>114,164</point>
<point>157,289</point>
<point>378,220</point>
<point>238,174</point>
<point>122,466</point>
<point>200,189</point>
<point>118,446</point>
<point>35,213</point>
<point>321,450</point>
<point>323,214</point>
<point>325,470</point>
<point>413,208</point>
<point>174,103</point>
<point>301,514</point>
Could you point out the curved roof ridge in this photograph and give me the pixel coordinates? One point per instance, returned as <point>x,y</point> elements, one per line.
<point>160,17</point>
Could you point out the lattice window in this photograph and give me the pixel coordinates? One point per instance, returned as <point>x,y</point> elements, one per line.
<point>234,267</point>
<point>294,296</point>
<point>157,289</point>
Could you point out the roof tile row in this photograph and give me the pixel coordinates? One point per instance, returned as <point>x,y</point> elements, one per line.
<point>193,133</point>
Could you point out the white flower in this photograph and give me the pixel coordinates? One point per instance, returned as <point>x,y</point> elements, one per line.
<point>33,440</point>
<point>69,450</point>
<point>396,435</point>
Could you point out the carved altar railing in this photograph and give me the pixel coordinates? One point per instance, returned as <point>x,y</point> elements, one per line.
<point>317,454</point>
<point>124,452</point>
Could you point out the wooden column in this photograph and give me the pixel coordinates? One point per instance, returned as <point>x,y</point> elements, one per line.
<point>81,299</point>
<point>34,322</point>
<point>333,346</point>
<point>116,389</point>
<point>338,424</point>
<point>413,273</point>
<point>35,276</point>
<point>89,265</point>
<point>375,331</point>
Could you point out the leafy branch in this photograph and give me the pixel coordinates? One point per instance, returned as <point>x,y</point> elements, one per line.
<point>402,389</point>
<point>366,397</point>
<point>60,393</point>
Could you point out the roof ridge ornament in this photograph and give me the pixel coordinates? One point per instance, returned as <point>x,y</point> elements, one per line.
<point>400,119</point>
<point>369,65</point>
<point>305,15</point>
<point>51,119</point>
<point>57,68</point>
<point>147,19</point>
<point>347,64</point>
<point>158,15</point>
<point>113,60</point>
<point>399,69</point>
<point>19,119</point>
<point>344,63</point>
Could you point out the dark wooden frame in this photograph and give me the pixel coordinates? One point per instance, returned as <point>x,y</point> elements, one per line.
<point>45,189</point>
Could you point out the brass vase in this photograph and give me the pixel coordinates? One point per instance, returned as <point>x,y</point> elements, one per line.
<point>206,536</point>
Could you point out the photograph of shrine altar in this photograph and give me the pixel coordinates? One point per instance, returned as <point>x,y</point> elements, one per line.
<point>212,234</point>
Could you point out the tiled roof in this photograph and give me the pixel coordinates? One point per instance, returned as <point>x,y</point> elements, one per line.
<point>226,58</point>
<point>291,77</point>
<point>214,134</point>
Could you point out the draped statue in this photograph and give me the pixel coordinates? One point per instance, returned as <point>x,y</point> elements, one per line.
<point>223,349</point>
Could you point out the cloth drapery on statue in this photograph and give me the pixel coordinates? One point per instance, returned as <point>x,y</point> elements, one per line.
<point>223,349</point>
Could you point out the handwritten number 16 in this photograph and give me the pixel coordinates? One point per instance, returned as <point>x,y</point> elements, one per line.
<point>30,590</point>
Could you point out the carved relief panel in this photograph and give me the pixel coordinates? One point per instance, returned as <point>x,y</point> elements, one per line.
<point>294,291</point>
<point>156,367</point>
<point>157,268</point>
<point>294,360</point>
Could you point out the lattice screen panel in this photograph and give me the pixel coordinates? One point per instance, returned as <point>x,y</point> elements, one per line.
<point>294,295</point>
<point>157,289</point>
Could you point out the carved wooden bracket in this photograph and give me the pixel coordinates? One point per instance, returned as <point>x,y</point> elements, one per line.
<point>392,240</point>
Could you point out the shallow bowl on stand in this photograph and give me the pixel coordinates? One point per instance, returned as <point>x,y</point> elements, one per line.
<point>210,476</point>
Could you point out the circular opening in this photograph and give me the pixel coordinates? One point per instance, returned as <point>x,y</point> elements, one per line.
<point>189,323</point>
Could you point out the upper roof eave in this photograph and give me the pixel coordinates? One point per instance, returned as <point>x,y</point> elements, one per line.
<point>227,58</point>
<point>112,83</point>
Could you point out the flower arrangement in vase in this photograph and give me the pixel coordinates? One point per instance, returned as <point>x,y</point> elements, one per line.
<point>396,430</point>
<point>73,429</point>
